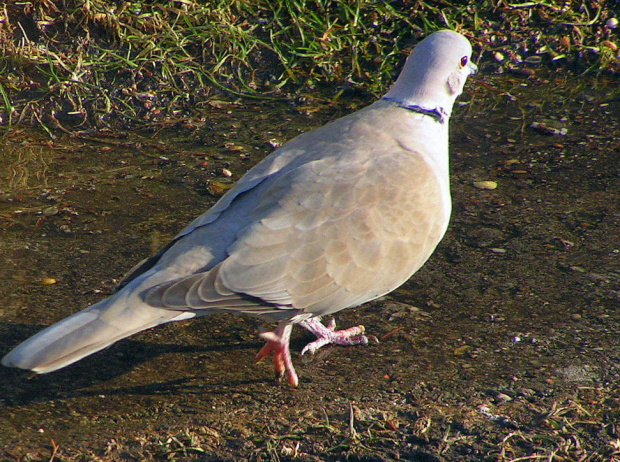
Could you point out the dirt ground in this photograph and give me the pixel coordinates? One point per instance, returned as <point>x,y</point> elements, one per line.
<point>503,347</point>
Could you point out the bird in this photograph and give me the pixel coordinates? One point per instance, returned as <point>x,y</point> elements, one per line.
<point>334,218</point>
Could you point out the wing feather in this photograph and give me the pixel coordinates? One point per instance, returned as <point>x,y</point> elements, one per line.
<point>323,234</point>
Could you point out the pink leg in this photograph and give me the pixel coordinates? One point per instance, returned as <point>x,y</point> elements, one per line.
<point>328,334</point>
<point>278,344</point>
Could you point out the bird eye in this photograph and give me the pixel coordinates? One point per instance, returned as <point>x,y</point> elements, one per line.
<point>464,61</point>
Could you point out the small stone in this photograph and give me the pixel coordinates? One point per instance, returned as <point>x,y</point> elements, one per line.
<point>533,59</point>
<point>527,392</point>
<point>612,23</point>
<point>460,351</point>
<point>502,397</point>
<point>50,211</point>
<point>547,129</point>
<point>575,317</point>
<point>485,184</point>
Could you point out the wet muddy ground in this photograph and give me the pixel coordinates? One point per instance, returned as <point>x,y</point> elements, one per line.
<point>503,347</point>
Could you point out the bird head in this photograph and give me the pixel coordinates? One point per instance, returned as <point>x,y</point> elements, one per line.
<point>435,72</point>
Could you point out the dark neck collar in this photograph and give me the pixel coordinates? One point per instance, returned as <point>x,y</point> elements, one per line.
<point>438,114</point>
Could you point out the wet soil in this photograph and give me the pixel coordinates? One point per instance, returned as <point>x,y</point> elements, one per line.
<point>504,346</point>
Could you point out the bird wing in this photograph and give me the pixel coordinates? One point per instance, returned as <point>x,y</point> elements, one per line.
<point>345,227</point>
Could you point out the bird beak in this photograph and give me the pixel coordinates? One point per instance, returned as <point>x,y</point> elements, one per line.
<point>473,69</point>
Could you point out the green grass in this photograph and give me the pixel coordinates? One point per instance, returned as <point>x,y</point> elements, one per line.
<point>91,64</point>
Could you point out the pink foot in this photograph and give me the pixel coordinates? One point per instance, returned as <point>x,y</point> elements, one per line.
<point>328,334</point>
<point>278,344</point>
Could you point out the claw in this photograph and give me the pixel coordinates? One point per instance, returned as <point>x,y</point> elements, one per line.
<point>278,345</point>
<point>328,334</point>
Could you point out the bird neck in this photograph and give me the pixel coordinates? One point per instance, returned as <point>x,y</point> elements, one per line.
<point>439,114</point>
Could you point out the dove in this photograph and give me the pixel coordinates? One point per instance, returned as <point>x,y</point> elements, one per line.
<point>336,217</point>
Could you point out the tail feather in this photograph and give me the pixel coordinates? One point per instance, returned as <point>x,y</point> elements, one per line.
<point>87,332</point>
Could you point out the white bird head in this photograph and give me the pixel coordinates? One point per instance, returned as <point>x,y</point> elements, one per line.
<point>435,73</point>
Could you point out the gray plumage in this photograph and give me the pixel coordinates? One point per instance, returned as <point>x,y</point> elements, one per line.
<point>336,217</point>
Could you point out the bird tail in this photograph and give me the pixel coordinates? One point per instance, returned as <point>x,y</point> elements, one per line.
<point>89,331</point>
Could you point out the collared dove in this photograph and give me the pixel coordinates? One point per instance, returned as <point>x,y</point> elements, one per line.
<point>334,218</point>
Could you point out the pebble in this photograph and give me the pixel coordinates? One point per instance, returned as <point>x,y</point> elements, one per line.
<point>548,130</point>
<point>528,392</point>
<point>502,397</point>
<point>485,184</point>
<point>50,211</point>
<point>533,59</point>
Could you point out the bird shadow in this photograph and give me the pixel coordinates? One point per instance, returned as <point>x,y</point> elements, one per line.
<point>86,377</point>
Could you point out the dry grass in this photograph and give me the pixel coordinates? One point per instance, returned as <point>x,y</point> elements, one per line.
<point>582,427</point>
